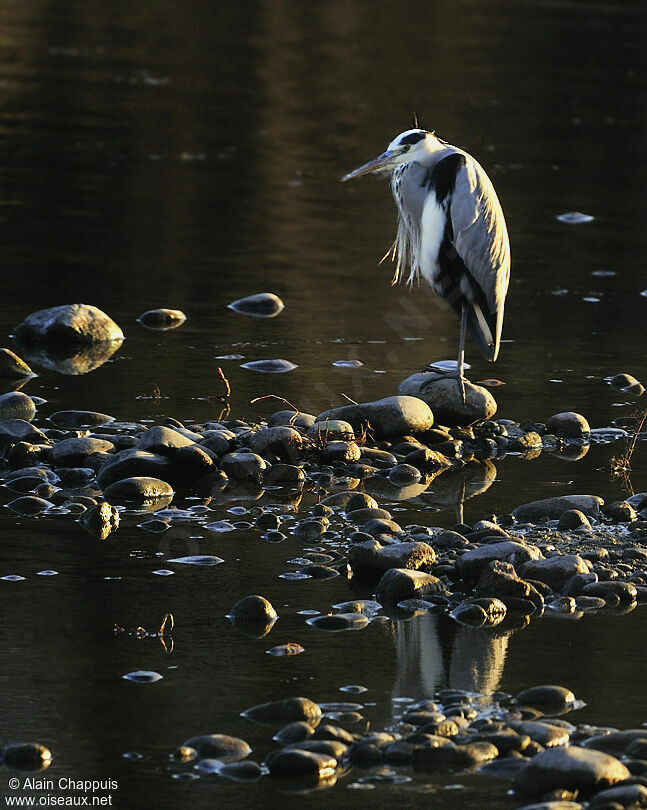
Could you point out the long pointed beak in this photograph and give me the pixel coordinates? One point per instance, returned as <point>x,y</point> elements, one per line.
<point>383,161</point>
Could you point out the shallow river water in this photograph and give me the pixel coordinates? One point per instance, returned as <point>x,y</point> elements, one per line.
<point>185,155</point>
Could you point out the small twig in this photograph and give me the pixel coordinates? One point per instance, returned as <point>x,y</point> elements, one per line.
<point>221,374</point>
<point>281,399</point>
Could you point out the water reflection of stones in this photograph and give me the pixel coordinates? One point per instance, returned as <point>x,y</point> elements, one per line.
<point>72,360</point>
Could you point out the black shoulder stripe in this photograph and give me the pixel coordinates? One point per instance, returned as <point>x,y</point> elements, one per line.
<point>442,177</point>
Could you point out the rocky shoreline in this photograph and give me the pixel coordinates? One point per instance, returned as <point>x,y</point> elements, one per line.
<point>571,554</point>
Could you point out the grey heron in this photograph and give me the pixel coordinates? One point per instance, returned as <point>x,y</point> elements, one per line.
<point>451,231</point>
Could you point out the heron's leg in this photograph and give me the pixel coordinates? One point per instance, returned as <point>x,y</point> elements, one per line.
<point>461,353</point>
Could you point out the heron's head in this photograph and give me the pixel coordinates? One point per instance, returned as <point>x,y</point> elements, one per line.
<point>414,145</point>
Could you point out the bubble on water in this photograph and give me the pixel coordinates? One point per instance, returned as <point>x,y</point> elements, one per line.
<point>604,273</point>
<point>13,578</point>
<point>164,572</point>
<point>47,573</point>
<point>348,363</point>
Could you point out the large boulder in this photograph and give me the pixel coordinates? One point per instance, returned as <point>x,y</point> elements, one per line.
<point>442,393</point>
<point>554,508</point>
<point>385,418</point>
<point>572,769</point>
<point>69,323</point>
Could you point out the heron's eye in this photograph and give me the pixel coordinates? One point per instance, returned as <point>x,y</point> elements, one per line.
<point>405,147</point>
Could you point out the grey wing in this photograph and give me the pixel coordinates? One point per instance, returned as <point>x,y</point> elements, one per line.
<point>481,237</point>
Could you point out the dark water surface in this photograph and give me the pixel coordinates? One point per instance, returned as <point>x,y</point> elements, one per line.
<point>187,154</point>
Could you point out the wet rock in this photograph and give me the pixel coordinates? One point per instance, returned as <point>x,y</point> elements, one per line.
<point>573,519</point>
<point>471,564</point>
<point>620,512</point>
<point>443,395</point>
<point>295,419</point>
<point>100,520</point>
<point>628,384</point>
<point>243,771</point>
<point>372,557</point>
<point>163,440</point>
<point>260,305</point>
<point>427,461</point>
<point>26,756</point>
<point>280,712</point>
<point>282,441</point>
<point>138,489</point>
<point>360,500</point>
<point>189,464</point>
<point>448,539</point>
<point>13,367</point>
<point>16,405</point>
<point>555,571</point>
<point>542,732</point>
<point>568,425</point>
<point>362,516</point>
<point>377,526</point>
<point>546,698</point>
<point>30,505</point>
<point>253,610</point>
<point>295,762</point>
<point>623,591</point>
<point>73,419</point>
<point>329,429</point>
<point>404,474</point>
<point>243,467</point>
<point>70,323</point>
<point>74,452</point>
<point>13,431</point>
<point>571,768</point>
<point>340,451</point>
<point>283,475</point>
<point>134,463</point>
<point>294,733</point>
<point>617,743</point>
<point>554,508</point>
<point>500,579</point>
<point>310,528</point>
<point>330,748</point>
<point>623,796</point>
<point>219,746</point>
<point>454,757</point>
<point>398,584</point>
<point>162,319</point>
<point>338,622</point>
<point>385,418</point>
